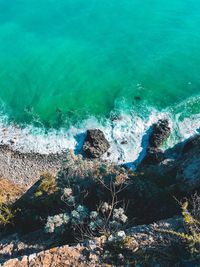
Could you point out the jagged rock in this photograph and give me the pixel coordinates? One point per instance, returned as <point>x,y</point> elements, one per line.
<point>15,245</point>
<point>59,256</point>
<point>188,166</point>
<point>160,133</point>
<point>188,174</point>
<point>95,144</point>
<point>146,237</point>
<point>182,171</point>
<point>153,156</point>
<point>192,143</point>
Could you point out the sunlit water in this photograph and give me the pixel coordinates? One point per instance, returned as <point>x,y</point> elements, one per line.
<point>71,64</point>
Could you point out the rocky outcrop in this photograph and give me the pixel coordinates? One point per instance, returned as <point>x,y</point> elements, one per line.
<point>95,144</point>
<point>147,237</point>
<point>192,143</point>
<point>149,194</point>
<point>59,256</point>
<point>153,156</point>
<point>160,133</point>
<point>188,174</point>
<point>183,172</point>
<point>188,166</point>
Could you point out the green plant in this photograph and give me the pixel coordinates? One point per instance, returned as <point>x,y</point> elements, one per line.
<point>91,192</point>
<point>6,214</point>
<point>188,241</point>
<point>47,185</point>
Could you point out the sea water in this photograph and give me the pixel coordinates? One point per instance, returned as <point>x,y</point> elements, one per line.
<point>70,65</point>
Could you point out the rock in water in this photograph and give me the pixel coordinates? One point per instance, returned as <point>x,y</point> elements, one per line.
<point>161,131</point>
<point>95,144</point>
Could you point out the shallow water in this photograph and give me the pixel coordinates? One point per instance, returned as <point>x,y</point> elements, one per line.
<point>63,61</point>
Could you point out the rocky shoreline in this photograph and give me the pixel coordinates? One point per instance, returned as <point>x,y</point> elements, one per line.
<point>25,169</point>
<point>34,185</point>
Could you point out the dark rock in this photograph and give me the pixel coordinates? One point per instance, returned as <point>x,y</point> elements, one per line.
<point>124,142</point>
<point>137,98</point>
<point>192,143</point>
<point>116,118</point>
<point>161,131</point>
<point>153,156</point>
<point>183,172</point>
<point>188,166</point>
<point>95,144</point>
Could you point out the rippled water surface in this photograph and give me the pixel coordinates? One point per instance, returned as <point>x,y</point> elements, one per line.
<point>64,60</point>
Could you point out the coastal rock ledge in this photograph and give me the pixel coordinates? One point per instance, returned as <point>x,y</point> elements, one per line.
<point>146,237</point>
<point>95,144</point>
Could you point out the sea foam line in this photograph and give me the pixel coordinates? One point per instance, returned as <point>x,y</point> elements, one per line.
<point>127,135</point>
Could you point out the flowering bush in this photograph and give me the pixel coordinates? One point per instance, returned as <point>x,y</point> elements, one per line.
<point>106,219</point>
<point>89,190</point>
<point>57,223</point>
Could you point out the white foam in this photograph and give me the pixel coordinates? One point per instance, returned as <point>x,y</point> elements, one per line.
<point>127,135</point>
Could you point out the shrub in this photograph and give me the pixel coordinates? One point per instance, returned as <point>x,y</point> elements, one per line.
<point>47,185</point>
<point>90,191</point>
<point>6,215</point>
<point>188,242</point>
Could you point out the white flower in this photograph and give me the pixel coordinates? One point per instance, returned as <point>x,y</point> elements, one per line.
<point>58,220</point>
<point>121,234</point>
<point>75,214</point>
<point>123,218</point>
<point>71,200</point>
<point>111,238</point>
<point>54,222</point>
<point>105,207</point>
<point>65,218</point>
<point>83,211</point>
<point>49,228</point>
<point>118,214</point>
<point>67,192</point>
<point>93,214</point>
<point>80,208</point>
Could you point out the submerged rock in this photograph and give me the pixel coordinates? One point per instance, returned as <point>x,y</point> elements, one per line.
<point>95,144</point>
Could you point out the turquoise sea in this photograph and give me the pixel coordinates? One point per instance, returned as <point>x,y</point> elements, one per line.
<point>63,62</point>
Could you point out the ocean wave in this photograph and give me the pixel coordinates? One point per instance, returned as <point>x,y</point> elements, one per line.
<point>127,134</point>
